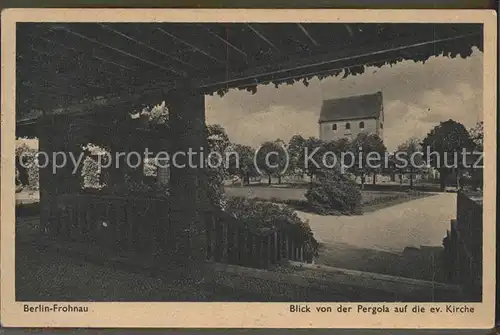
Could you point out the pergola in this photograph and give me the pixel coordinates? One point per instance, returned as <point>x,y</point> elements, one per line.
<point>101,72</point>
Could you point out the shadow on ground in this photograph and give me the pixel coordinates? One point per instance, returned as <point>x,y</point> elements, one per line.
<point>425,263</point>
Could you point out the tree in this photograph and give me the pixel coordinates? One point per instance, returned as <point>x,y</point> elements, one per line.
<point>410,158</point>
<point>217,138</point>
<point>296,147</point>
<point>476,173</point>
<point>368,151</point>
<point>311,158</point>
<point>241,162</point>
<point>336,148</point>
<point>477,136</point>
<point>271,159</point>
<point>443,147</point>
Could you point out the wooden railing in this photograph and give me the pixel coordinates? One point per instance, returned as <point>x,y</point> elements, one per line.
<point>143,225</point>
<point>230,241</point>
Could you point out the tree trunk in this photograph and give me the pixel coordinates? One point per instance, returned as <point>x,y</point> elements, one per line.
<point>279,179</point>
<point>374,181</point>
<point>269,179</point>
<point>442,179</point>
<point>362,181</point>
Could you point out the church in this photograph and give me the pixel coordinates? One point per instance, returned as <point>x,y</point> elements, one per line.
<point>347,117</point>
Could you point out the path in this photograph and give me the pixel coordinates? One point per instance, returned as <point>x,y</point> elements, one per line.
<point>416,223</point>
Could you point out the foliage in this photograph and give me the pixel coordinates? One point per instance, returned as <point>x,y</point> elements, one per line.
<point>475,178</point>
<point>334,194</point>
<point>27,174</point>
<point>295,150</point>
<point>90,174</point>
<point>241,162</point>
<point>262,214</point>
<point>271,159</point>
<point>368,151</point>
<point>213,178</point>
<point>445,142</point>
<point>310,156</point>
<point>477,136</point>
<point>336,147</point>
<point>217,138</point>
<point>411,156</point>
<point>451,50</point>
<point>156,115</point>
<point>150,167</point>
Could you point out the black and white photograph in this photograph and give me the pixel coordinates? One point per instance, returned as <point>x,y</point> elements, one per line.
<point>337,167</point>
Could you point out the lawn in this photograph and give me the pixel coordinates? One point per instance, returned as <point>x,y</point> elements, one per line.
<point>372,200</point>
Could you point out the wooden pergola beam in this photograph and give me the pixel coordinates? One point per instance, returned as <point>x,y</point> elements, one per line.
<point>146,61</point>
<point>223,40</point>
<point>308,35</point>
<point>130,38</point>
<point>101,59</point>
<point>262,37</point>
<point>172,36</point>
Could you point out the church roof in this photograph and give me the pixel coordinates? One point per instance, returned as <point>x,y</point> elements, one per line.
<point>354,107</point>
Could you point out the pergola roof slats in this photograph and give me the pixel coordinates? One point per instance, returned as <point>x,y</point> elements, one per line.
<point>332,58</point>
<point>130,38</point>
<point>149,62</point>
<point>223,40</point>
<point>59,45</point>
<point>193,47</point>
<point>43,66</point>
<point>304,30</point>
<point>113,60</point>
<point>262,37</point>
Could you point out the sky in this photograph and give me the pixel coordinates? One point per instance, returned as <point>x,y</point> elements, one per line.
<point>416,98</point>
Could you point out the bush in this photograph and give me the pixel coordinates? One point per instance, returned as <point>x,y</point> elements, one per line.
<point>90,173</point>
<point>29,161</point>
<point>262,214</point>
<point>334,194</point>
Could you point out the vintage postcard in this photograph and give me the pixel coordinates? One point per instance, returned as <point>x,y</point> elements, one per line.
<point>248,168</point>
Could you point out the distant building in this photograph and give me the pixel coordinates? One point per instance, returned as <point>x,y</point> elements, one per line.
<point>347,117</point>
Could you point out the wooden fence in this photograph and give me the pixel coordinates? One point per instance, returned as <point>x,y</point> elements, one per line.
<point>230,241</point>
<point>143,225</point>
<point>131,223</point>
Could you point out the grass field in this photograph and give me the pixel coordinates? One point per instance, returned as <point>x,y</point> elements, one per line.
<point>295,197</point>
<point>273,193</point>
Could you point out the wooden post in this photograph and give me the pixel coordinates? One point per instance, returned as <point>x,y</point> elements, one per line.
<point>244,248</point>
<point>224,242</point>
<point>187,121</point>
<point>275,249</point>
<point>47,182</point>
<point>287,247</point>
<point>235,250</point>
